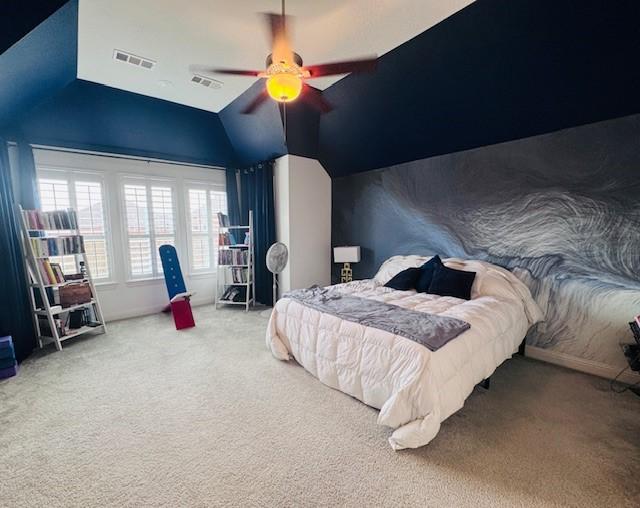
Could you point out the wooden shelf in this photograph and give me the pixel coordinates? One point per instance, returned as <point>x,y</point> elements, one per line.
<point>247,265</point>
<point>38,282</point>
<point>60,255</point>
<point>60,284</point>
<point>52,237</point>
<point>41,312</point>
<point>78,331</point>
<point>230,302</point>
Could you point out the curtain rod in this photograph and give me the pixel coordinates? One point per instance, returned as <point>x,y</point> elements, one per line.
<point>121,156</point>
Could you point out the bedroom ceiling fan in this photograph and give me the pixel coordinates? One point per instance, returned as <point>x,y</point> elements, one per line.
<point>285,73</point>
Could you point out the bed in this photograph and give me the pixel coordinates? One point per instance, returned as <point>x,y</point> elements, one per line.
<point>414,388</point>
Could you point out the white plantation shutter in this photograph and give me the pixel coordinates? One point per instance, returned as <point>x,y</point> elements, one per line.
<point>150,224</point>
<point>137,212</point>
<point>91,221</point>
<point>88,200</point>
<point>204,205</point>
<point>135,200</point>
<point>200,239</point>
<point>54,194</point>
<point>163,221</point>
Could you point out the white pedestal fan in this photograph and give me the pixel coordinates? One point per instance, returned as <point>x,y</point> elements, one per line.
<point>277,257</point>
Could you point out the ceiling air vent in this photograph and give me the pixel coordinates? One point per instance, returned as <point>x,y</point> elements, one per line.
<point>138,61</point>
<point>208,82</point>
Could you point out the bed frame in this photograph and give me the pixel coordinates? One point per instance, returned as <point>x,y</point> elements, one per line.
<point>486,383</point>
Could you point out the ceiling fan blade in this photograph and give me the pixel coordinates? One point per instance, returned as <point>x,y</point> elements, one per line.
<point>278,25</point>
<point>255,103</point>
<point>314,97</point>
<point>329,69</point>
<point>201,69</point>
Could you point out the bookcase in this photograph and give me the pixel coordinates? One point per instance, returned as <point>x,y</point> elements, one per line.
<point>56,233</point>
<point>235,274</point>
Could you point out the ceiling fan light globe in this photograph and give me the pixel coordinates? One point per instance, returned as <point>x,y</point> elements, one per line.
<point>284,87</point>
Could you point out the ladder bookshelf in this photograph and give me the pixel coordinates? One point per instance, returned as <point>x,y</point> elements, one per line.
<point>41,233</point>
<point>236,271</point>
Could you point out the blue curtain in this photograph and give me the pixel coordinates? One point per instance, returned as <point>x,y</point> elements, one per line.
<point>15,316</point>
<point>233,202</point>
<point>26,174</point>
<point>256,193</point>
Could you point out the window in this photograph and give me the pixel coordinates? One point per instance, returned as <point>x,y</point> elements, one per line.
<point>150,223</point>
<point>204,205</point>
<point>90,208</point>
<point>71,190</point>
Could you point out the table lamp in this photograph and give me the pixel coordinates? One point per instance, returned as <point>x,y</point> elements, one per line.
<point>346,255</point>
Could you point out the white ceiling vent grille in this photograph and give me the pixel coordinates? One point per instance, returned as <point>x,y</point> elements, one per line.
<point>205,81</point>
<point>138,61</point>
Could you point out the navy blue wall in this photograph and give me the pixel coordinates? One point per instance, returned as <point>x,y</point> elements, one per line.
<point>492,72</point>
<point>42,63</point>
<point>256,137</point>
<point>89,116</point>
<point>21,16</point>
<point>260,136</point>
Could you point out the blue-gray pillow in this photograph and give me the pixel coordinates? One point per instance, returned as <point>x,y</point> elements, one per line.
<point>404,280</point>
<point>449,282</point>
<point>426,274</point>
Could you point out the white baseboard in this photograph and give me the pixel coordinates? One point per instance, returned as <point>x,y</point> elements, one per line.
<point>581,364</point>
<point>147,311</point>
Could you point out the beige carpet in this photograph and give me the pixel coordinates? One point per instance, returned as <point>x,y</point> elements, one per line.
<point>147,416</point>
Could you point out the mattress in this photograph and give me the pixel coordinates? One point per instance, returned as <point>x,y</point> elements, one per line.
<point>414,388</point>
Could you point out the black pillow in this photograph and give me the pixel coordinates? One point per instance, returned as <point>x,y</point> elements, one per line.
<point>426,274</point>
<point>404,280</point>
<point>450,282</point>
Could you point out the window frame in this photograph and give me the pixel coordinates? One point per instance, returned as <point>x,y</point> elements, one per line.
<point>72,176</point>
<point>208,187</point>
<point>148,182</point>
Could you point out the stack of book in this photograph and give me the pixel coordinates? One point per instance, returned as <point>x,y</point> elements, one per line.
<point>223,220</point>
<point>226,239</point>
<point>51,272</point>
<point>45,327</point>
<point>60,246</point>
<point>8,365</point>
<point>59,219</point>
<point>239,275</point>
<point>233,257</point>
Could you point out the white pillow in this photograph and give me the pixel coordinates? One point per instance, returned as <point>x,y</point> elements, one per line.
<point>394,265</point>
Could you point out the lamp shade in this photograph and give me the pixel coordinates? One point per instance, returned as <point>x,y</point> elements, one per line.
<point>348,254</point>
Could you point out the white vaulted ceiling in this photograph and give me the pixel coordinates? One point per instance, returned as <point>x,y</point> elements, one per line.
<point>230,33</point>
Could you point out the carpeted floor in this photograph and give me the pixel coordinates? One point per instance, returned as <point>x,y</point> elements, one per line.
<point>147,416</point>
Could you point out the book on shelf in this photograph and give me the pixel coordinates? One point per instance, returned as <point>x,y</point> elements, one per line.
<point>51,273</point>
<point>61,246</point>
<point>234,294</point>
<point>239,275</point>
<point>227,238</point>
<point>223,220</point>
<point>55,220</point>
<point>45,329</point>
<point>233,257</point>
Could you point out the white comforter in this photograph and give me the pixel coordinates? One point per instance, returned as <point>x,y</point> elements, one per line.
<point>414,388</point>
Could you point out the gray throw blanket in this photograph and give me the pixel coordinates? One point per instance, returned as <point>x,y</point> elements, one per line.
<point>430,330</point>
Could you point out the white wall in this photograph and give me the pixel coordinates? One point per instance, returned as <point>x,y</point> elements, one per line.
<point>121,297</point>
<point>303,220</point>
